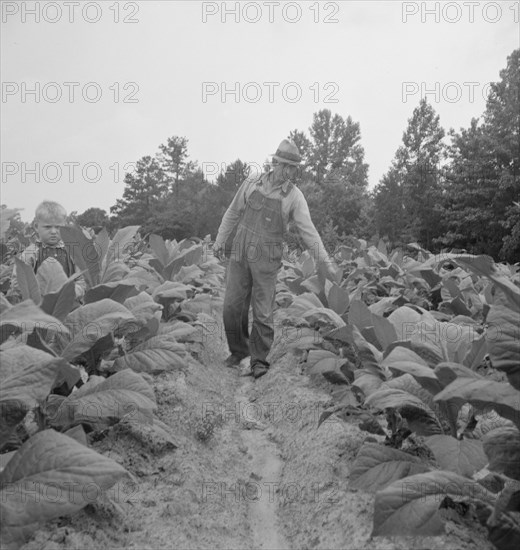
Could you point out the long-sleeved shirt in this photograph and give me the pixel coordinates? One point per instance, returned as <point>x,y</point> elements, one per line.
<point>294,209</point>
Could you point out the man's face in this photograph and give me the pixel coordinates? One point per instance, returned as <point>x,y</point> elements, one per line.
<point>48,229</point>
<point>283,172</point>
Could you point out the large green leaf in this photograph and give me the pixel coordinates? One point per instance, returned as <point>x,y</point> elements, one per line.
<point>171,290</point>
<point>119,244</point>
<point>305,342</point>
<point>118,291</point>
<point>403,360</point>
<point>326,314</point>
<point>59,304</point>
<point>314,284</point>
<point>428,352</point>
<point>333,369</point>
<point>51,277</point>
<point>420,418</point>
<point>367,381</point>
<point>503,336</point>
<point>27,282</point>
<point>458,339</point>
<point>22,390</point>
<point>370,356</point>
<point>4,304</point>
<point>184,332</point>
<point>114,272</point>
<point>384,330</point>
<point>17,357</point>
<point>159,248</point>
<point>303,303</point>
<point>32,382</point>
<point>316,355</point>
<point>25,317</point>
<point>447,372</point>
<point>410,506</point>
<point>144,278</point>
<point>484,394</point>
<point>51,475</point>
<point>476,353</point>
<point>409,384</point>
<point>485,266</point>
<point>173,268</point>
<point>363,318</point>
<point>84,251</point>
<point>359,315</point>
<point>143,307</point>
<point>193,254</point>
<point>91,322</point>
<point>189,274</point>
<point>338,299</point>
<point>418,325</point>
<point>125,394</point>
<point>377,466</point>
<point>102,240</point>
<point>502,447</point>
<point>464,457</point>
<point>156,355</point>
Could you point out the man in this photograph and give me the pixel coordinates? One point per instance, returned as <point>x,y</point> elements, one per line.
<point>260,212</point>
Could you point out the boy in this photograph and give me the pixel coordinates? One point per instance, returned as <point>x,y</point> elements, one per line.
<point>49,217</point>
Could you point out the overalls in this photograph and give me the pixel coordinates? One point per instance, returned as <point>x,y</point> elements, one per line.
<point>255,260</point>
<point>58,253</point>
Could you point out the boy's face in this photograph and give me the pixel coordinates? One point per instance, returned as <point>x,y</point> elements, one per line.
<point>48,229</point>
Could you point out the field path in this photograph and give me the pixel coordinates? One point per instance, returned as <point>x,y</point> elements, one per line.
<point>266,466</point>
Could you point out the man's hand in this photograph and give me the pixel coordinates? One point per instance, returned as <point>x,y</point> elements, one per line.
<point>332,271</point>
<point>218,250</point>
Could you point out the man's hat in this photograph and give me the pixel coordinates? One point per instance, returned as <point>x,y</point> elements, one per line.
<point>288,153</point>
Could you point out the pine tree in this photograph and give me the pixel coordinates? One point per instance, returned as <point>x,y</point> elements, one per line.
<point>408,197</point>
<point>483,185</point>
<point>145,189</point>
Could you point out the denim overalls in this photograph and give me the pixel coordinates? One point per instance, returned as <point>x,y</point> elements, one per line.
<point>256,257</point>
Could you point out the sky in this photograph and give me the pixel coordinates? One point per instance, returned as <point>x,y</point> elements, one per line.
<point>89,88</point>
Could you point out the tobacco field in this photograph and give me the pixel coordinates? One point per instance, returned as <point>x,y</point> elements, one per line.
<point>389,419</point>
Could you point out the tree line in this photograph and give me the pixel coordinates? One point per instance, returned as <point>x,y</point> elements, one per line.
<point>443,190</point>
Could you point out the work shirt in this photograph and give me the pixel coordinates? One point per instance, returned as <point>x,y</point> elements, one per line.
<point>294,209</point>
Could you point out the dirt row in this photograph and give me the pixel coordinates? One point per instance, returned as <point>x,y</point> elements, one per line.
<point>251,470</point>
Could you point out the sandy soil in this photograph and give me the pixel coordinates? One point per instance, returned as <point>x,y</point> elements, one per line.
<point>252,470</point>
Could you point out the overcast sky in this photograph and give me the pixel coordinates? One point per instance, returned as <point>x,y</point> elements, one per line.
<point>140,72</point>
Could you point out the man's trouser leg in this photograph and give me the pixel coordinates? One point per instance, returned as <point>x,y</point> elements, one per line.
<point>263,302</point>
<point>237,299</point>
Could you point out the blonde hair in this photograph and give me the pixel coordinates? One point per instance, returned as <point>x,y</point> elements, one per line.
<point>49,209</point>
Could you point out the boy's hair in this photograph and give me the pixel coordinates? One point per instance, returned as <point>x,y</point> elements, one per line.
<point>49,209</point>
